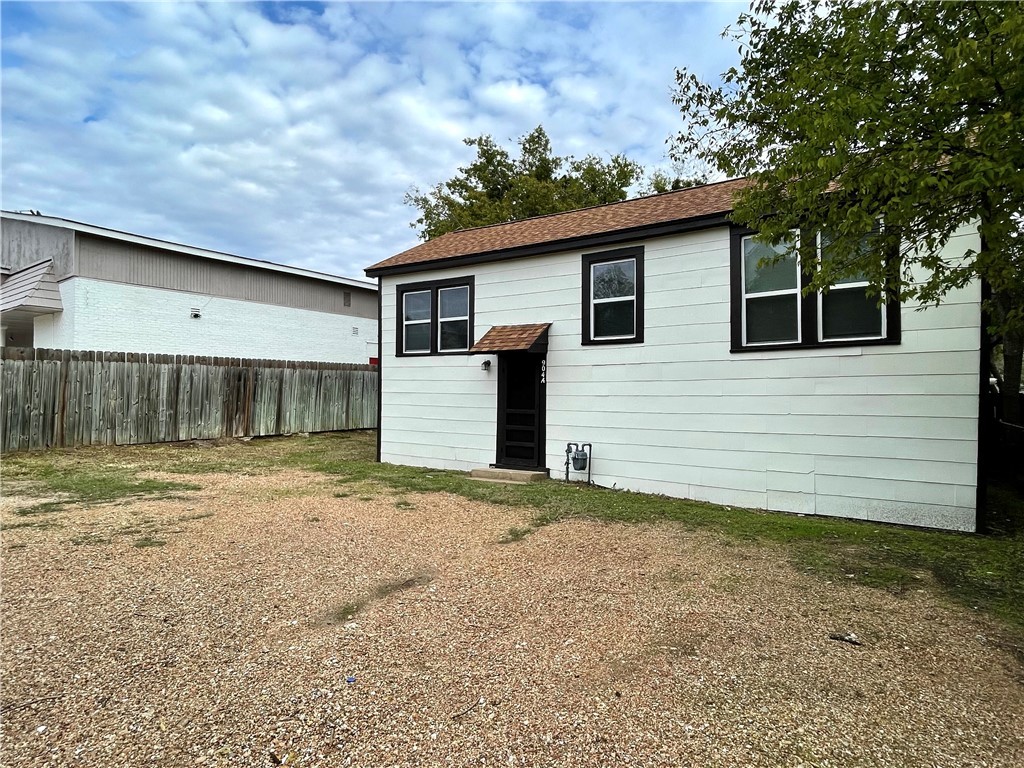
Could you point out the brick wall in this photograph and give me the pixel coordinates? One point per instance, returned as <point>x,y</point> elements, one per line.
<point>109,316</point>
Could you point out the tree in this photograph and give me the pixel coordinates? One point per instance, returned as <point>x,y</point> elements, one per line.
<point>497,188</point>
<point>847,114</point>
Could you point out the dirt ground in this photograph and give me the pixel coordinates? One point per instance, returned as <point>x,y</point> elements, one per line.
<point>271,621</point>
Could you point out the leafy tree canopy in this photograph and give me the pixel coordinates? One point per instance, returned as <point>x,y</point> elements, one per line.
<point>847,113</point>
<point>497,187</point>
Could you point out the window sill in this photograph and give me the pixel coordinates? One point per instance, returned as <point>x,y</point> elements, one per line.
<point>817,345</point>
<point>605,342</point>
<point>463,352</point>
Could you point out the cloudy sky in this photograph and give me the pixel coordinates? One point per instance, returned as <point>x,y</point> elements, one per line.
<point>292,131</point>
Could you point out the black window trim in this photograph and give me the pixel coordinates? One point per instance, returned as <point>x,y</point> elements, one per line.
<point>808,309</point>
<point>619,254</point>
<point>433,286</point>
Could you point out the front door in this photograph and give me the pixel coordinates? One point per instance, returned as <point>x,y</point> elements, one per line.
<point>521,382</point>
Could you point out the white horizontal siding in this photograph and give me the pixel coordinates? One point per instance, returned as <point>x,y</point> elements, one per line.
<point>885,433</point>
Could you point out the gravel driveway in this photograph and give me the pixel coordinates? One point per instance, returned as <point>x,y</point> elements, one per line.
<point>281,624</point>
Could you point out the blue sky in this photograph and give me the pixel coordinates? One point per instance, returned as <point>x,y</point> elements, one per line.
<point>292,131</point>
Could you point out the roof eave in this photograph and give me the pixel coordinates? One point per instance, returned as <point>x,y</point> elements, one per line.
<point>613,237</point>
<point>187,250</point>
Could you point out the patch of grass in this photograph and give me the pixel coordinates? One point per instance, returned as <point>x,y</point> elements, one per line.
<point>196,516</point>
<point>342,495</point>
<point>37,524</point>
<point>385,588</point>
<point>85,477</point>
<point>379,591</point>
<point>515,534</point>
<point>365,498</point>
<point>149,541</point>
<point>404,504</point>
<point>346,611</point>
<point>42,508</point>
<point>91,540</point>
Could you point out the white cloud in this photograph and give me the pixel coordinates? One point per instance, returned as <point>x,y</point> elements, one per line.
<point>292,136</point>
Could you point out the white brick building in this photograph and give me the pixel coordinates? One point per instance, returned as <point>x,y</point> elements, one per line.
<point>69,285</point>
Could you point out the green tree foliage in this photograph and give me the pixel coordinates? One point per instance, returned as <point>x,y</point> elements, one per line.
<point>497,187</point>
<point>848,113</point>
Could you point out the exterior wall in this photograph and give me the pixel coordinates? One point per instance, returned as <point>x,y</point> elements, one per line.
<point>25,243</point>
<point>105,259</point>
<point>885,433</point>
<point>106,316</point>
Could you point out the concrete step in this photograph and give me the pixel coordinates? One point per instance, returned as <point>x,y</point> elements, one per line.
<point>494,475</point>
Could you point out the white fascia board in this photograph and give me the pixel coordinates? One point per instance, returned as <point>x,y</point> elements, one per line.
<point>203,253</point>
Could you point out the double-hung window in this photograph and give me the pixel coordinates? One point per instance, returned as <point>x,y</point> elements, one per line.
<point>770,308</point>
<point>416,322</point>
<point>435,317</point>
<point>847,311</point>
<point>453,319</point>
<point>771,294</point>
<point>613,297</point>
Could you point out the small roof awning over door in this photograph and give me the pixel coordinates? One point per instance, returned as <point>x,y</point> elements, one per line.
<point>514,338</point>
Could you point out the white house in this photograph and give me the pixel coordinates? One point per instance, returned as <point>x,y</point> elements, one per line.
<point>69,285</point>
<point>647,329</point>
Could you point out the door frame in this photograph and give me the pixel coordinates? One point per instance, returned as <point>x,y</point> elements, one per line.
<point>505,359</point>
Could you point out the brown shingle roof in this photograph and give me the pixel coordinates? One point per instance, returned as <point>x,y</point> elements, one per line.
<point>511,338</point>
<point>681,205</point>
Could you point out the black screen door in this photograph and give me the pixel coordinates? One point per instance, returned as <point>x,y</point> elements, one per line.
<point>520,410</point>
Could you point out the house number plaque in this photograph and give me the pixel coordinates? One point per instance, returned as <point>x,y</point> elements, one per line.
<point>543,371</point>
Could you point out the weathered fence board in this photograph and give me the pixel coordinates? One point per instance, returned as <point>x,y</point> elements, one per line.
<point>64,398</point>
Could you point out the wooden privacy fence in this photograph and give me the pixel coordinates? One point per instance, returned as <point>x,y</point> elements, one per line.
<point>63,398</point>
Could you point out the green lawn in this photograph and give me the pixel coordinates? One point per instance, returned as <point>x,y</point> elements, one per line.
<point>983,572</point>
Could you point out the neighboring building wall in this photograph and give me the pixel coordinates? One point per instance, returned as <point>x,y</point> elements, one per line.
<point>25,243</point>
<point>108,316</point>
<point>120,262</point>
<point>885,433</point>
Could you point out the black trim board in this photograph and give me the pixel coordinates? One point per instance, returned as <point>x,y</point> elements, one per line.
<point>433,286</point>
<point>380,369</point>
<point>555,246</point>
<point>505,361</point>
<point>619,254</point>
<point>808,310</point>
<point>986,421</point>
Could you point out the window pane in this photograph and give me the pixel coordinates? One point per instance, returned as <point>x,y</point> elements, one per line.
<point>614,280</point>
<point>850,313</point>
<point>454,302</point>
<point>777,277</point>
<point>826,255</point>
<point>454,335</point>
<point>614,318</point>
<point>417,305</point>
<point>772,318</point>
<point>417,337</point>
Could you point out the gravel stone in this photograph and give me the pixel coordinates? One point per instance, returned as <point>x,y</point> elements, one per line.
<point>294,627</point>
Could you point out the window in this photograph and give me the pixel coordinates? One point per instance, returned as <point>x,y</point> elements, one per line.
<point>416,322</point>
<point>769,309</point>
<point>613,297</point>
<point>847,311</point>
<point>453,319</point>
<point>435,317</point>
<point>771,294</point>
